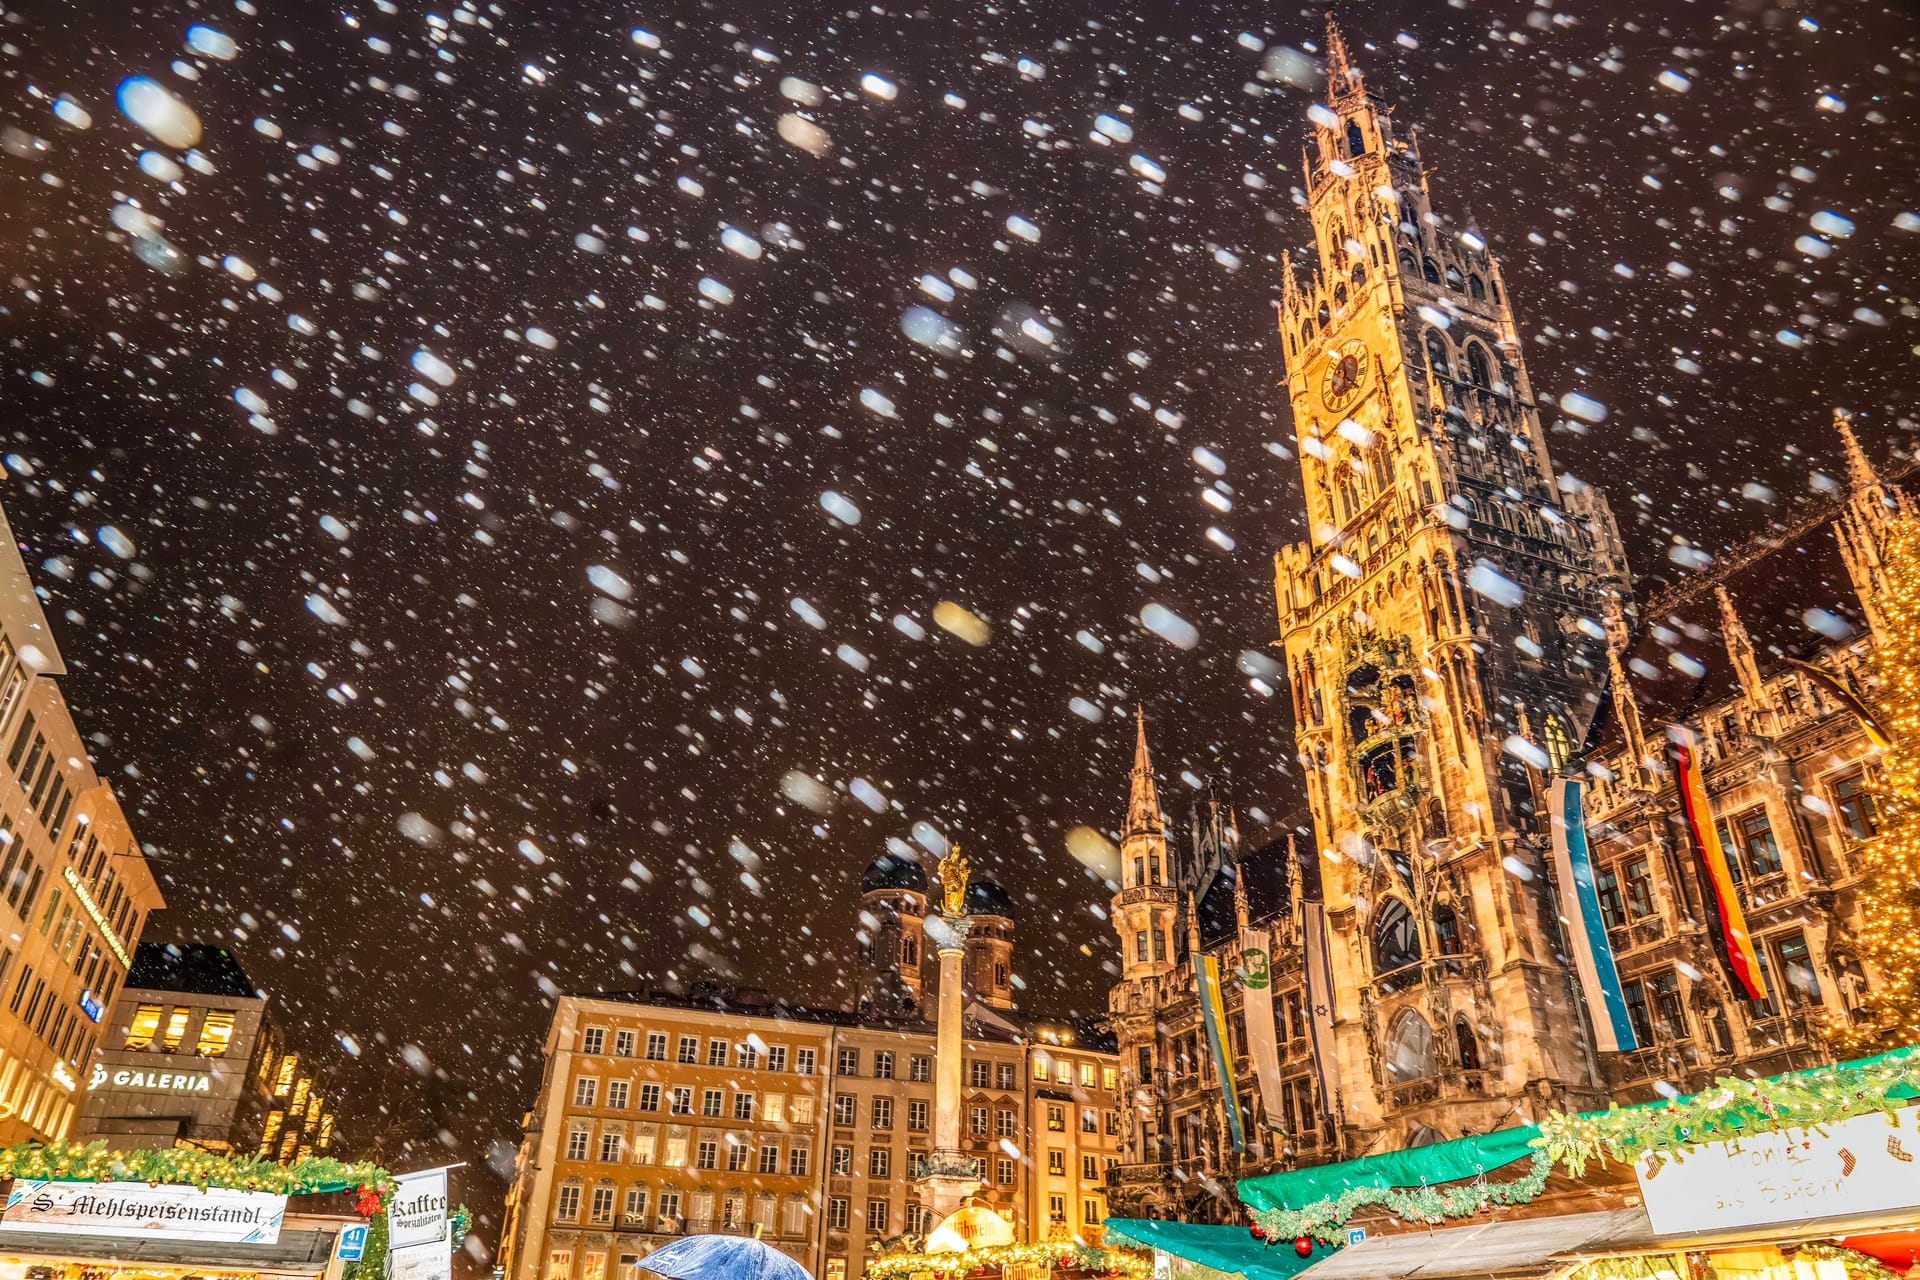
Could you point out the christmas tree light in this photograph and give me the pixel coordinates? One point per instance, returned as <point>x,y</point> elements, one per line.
<point>1888,936</point>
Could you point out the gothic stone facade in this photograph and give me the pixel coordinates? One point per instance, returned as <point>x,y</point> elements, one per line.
<point>1450,627</point>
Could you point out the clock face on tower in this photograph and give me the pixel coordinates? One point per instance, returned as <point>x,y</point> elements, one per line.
<point>1346,376</point>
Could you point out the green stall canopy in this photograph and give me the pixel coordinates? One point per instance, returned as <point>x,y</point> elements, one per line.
<point>1229,1250</point>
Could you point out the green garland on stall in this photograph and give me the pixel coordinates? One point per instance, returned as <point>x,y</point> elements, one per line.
<point>373,1255</point>
<point>1731,1109</point>
<point>94,1162</point>
<point>1078,1257</point>
<point>1326,1220</point>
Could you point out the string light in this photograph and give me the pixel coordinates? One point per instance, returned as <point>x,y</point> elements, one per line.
<point>1888,937</point>
<point>1064,1255</point>
<point>94,1162</point>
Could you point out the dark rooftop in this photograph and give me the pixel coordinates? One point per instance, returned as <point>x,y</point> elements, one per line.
<point>192,967</point>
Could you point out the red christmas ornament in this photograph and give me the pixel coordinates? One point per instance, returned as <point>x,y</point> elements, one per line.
<point>1257,1231</point>
<point>1303,1245</point>
<point>369,1202</point>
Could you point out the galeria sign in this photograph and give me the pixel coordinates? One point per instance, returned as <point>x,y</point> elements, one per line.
<point>1857,1166</point>
<point>166,1212</point>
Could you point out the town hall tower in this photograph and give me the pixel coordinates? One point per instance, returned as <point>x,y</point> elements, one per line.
<point>1446,629</point>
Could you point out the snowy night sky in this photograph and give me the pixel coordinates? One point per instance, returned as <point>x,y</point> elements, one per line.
<point>533,441</point>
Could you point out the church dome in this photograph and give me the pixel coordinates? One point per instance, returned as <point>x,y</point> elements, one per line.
<point>890,871</point>
<point>985,898</point>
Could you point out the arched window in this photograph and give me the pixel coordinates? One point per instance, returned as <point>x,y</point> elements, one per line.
<point>1306,334</point>
<point>1446,931</point>
<point>1477,288</point>
<point>1356,140</point>
<point>1454,280</point>
<point>1340,295</point>
<point>1559,743</point>
<point>1408,267</point>
<point>1359,273</point>
<point>1325,315</point>
<point>1410,1049</point>
<point>1396,939</point>
<point>1478,366</point>
<point>1437,355</point>
<point>1466,1047</point>
<point>1493,287</point>
<point>1431,270</point>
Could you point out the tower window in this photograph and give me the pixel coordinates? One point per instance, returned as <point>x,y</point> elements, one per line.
<point>1467,1048</point>
<point>1446,931</point>
<point>1325,315</point>
<point>1153,870</point>
<point>1159,945</point>
<point>1430,270</point>
<point>1477,288</point>
<point>1140,945</point>
<point>1139,870</point>
<point>1437,355</point>
<point>1410,1049</point>
<point>1356,140</point>
<point>1478,366</point>
<point>1396,939</point>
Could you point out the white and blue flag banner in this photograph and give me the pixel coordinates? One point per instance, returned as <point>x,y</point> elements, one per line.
<point>1586,927</point>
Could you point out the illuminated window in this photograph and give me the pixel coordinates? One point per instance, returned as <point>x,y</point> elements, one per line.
<point>146,1021</point>
<point>559,1264</point>
<point>283,1079</point>
<point>1039,1066</point>
<point>176,1028</point>
<point>216,1033</point>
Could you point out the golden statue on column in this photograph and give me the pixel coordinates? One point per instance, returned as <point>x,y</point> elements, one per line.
<point>954,869</point>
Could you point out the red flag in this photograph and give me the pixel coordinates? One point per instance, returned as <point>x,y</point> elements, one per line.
<point>1730,922</point>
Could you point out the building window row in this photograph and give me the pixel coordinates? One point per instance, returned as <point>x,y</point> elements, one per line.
<point>751,1055</point>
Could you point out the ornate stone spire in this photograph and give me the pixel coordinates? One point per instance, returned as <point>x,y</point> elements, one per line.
<point>1143,806</point>
<point>1290,298</point>
<point>1341,77</point>
<point>1628,712</point>
<point>1240,893</point>
<point>1860,473</point>
<point>1746,665</point>
<point>1193,928</point>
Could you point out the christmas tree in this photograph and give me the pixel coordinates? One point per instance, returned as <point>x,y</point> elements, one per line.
<point>1888,938</point>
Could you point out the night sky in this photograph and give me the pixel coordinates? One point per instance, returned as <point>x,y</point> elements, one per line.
<point>494,499</point>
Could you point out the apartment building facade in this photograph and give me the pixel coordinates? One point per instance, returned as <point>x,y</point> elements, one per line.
<point>660,1116</point>
<point>75,888</point>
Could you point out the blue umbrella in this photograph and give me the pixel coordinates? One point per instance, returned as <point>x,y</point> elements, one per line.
<point>723,1258</point>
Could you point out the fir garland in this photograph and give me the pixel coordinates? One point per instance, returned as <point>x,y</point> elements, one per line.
<point>1063,1254</point>
<point>1731,1109</point>
<point>1326,1220</point>
<point>93,1162</point>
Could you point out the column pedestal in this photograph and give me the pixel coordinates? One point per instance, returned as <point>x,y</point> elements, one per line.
<point>950,1175</point>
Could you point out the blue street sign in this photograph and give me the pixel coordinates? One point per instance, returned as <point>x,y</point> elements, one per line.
<point>1354,1234</point>
<point>353,1243</point>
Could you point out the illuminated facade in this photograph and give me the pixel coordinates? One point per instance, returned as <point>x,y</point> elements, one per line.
<point>660,1116</point>
<point>74,882</point>
<point>193,1057</point>
<point>1458,631</point>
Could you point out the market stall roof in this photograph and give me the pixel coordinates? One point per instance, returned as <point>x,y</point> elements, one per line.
<point>296,1252</point>
<point>1410,1167</point>
<point>1524,1246</point>
<point>1228,1249</point>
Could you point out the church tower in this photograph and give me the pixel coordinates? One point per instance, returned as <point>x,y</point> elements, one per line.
<point>1444,643</point>
<point>1862,527</point>
<point>1145,908</point>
